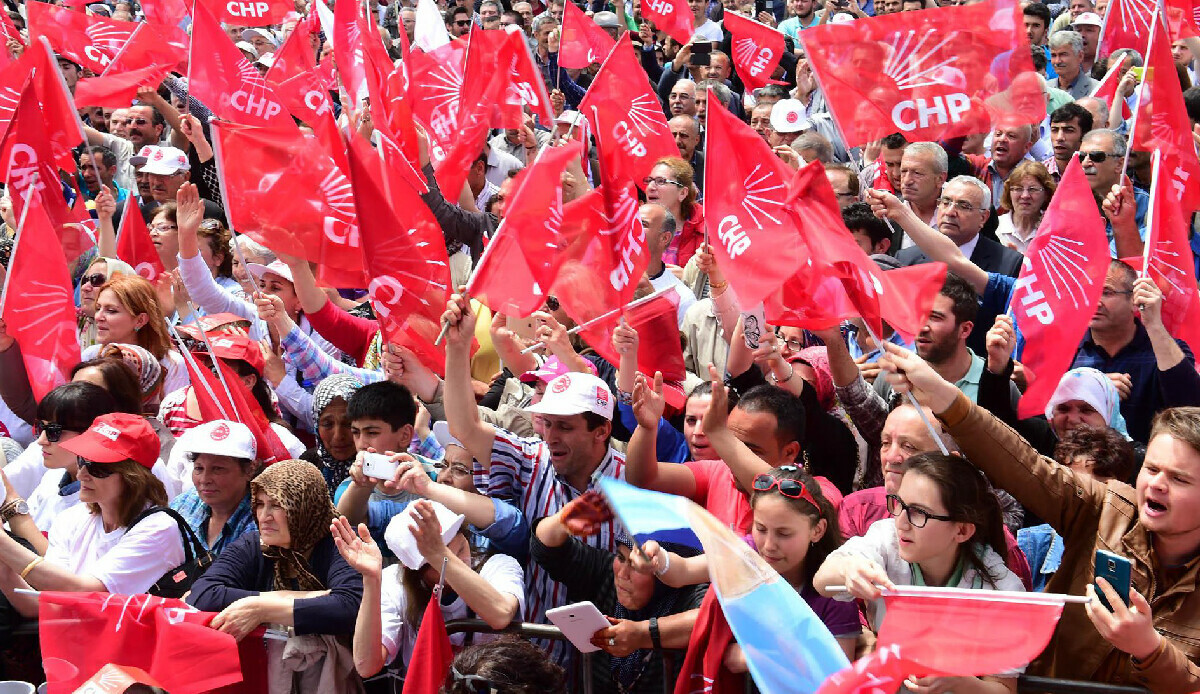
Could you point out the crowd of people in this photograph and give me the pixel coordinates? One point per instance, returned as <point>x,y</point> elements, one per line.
<point>844,458</point>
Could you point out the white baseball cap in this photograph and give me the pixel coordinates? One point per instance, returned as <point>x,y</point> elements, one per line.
<point>266,60</point>
<point>576,393</point>
<point>249,34</point>
<point>787,116</point>
<point>166,161</point>
<point>143,155</point>
<point>277,267</point>
<point>247,47</point>
<point>400,539</point>
<point>220,437</point>
<point>1088,19</point>
<point>441,432</point>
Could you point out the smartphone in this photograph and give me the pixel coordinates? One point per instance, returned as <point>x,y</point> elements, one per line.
<point>1117,571</point>
<point>578,622</point>
<point>701,53</point>
<point>753,325</point>
<point>1138,72</point>
<point>379,466</point>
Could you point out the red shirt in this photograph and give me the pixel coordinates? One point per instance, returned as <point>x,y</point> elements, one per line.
<point>717,492</point>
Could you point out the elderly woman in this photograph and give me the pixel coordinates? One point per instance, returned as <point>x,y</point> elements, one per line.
<point>288,571</point>
<point>1027,192</point>
<point>334,453</point>
<point>96,545</point>
<point>222,457</point>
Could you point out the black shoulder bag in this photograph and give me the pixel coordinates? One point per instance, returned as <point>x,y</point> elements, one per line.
<point>196,560</point>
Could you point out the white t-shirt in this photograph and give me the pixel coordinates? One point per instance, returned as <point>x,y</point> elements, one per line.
<point>25,472</point>
<point>126,563</point>
<point>14,427</point>
<point>46,504</point>
<point>710,31</point>
<point>500,570</point>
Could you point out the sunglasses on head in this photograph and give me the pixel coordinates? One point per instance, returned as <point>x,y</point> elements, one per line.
<point>476,683</point>
<point>96,280</point>
<point>96,470</point>
<point>792,489</point>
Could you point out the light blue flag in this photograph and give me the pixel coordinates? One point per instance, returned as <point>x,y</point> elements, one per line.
<point>787,647</point>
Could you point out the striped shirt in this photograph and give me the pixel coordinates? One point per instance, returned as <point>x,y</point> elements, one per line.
<point>521,472</point>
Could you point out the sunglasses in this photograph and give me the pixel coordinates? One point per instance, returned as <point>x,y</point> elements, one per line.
<point>96,470</point>
<point>475,683</point>
<point>52,430</point>
<point>792,489</point>
<point>462,22</point>
<point>96,280</point>
<point>1097,157</point>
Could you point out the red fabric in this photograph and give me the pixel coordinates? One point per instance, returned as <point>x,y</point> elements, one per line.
<point>39,308</point>
<point>167,12</point>
<point>169,639</point>
<point>8,30</point>
<point>703,667</point>
<point>1162,123</point>
<point>90,41</point>
<point>717,492</point>
<point>672,16</point>
<point>756,48</point>
<point>135,246</point>
<point>583,42</point>
<point>503,280</point>
<point>626,117</point>
<point>751,232</point>
<point>250,13</point>
<point>117,91</point>
<point>151,44</point>
<point>349,52</point>
<point>432,653</point>
<point>61,127</point>
<point>347,332</point>
<point>293,78</point>
<point>405,257</point>
<point>1171,259</point>
<point>883,670</point>
<point>535,211</point>
<point>226,82</point>
<point>925,74</point>
<point>236,405</point>
<point>436,92</point>
<point>1059,287</point>
<point>688,240</point>
<point>1107,90</point>
<point>522,85</point>
<point>1181,19</point>
<point>1127,26</point>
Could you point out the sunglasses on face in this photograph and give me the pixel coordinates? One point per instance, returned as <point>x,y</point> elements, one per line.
<point>792,489</point>
<point>96,470</point>
<point>96,280</point>
<point>52,430</point>
<point>1096,157</point>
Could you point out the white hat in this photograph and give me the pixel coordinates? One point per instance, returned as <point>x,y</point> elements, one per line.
<point>400,539</point>
<point>266,60</point>
<point>787,116</point>
<point>606,20</point>
<point>165,161</point>
<point>143,155</point>
<point>842,18</point>
<point>441,432</point>
<point>247,47</point>
<point>249,34</point>
<point>220,437</point>
<point>1088,19</point>
<point>570,118</point>
<point>277,267</point>
<point>575,393</point>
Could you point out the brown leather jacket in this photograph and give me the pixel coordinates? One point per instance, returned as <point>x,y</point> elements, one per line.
<point>1089,516</point>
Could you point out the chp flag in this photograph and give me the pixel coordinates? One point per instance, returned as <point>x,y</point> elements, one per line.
<point>925,74</point>
<point>756,48</point>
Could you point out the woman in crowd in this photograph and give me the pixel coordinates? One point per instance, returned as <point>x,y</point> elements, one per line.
<point>670,184</point>
<point>508,665</point>
<point>334,453</point>
<point>946,530</point>
<point>128,311</point>
<point>253,252</point>
<point>222,455</point>
<point>425,538</point>
<point>98,273</point>
<point>95,545</point>
<point>1026,195</point>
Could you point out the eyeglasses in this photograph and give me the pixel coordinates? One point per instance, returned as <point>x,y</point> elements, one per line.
<point>660,181</point>
<point>1097,157</point>
<point>792,489</point>
<point>793,344</point>
<point>52,430</point>
<point>163,228</point>
<point>462,22</point>
<point>1110,293</point>
<point>1032,190</point>
<point>956,204</point>
<point>137,121</point>
<point>917,517</point>
<point>96,280</point>
<point>96,470</point>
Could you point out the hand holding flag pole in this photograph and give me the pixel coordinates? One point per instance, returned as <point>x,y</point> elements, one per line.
<point>912,399</point>
<point>604,316</point>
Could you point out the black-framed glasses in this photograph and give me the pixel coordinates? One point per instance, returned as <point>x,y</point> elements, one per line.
<point>1110,293</point>
<point>462,22</point>
<point>52,430</point>
<point>96,470</point>
<point>917,517</point>
<point>660,181</point>
<point>1096,157</point>
<point>96,279</point>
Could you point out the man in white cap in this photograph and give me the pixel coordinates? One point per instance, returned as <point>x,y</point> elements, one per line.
<point>262,39</point>
<point>168,169</point>
<point>217,461</point>
<point>541,475</point>
<point>1088,25</point>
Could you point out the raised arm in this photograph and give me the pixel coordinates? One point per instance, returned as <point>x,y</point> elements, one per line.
<point>742,461</point>
<point>361,552</point>
<point>642,467</point>
<point>462,414</point>
<point>935,244</point>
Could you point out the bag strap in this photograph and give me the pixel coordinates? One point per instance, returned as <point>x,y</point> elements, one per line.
<point>192,547</point>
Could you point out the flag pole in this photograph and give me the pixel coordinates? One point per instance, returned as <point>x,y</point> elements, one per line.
<point>983,595</point>
<point>1140,89</point>
<point>912,399</point>
<point>603,316</point>
<point>1155,168</point>
<point>12,258</point>
<point>190,359</point>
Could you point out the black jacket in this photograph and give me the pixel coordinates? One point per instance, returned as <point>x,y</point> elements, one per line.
<point>989,256</point>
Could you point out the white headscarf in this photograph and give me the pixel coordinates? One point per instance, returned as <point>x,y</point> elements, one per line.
<point>1093,387</point>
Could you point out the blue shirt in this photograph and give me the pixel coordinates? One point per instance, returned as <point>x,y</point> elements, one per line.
<point>1142,201</point>
<point>851,332</point>
<point>1044,549</point>
<point>197,514</point>
<point>670,446</point>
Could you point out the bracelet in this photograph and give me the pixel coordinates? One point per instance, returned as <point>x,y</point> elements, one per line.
<point>717,285</point>
<point>655,637</point>
<point>791,372</point>
<point>666,564</point>
<point>30,567</point>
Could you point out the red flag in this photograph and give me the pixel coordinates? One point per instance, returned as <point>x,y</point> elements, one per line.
<point>349,51</point>
<point>38,303</point>
<point>1161,122</point>
<point>88,40</point>
<point>672,16</point>
<point>166,12</point>
<point>294,80</point>
<point>61,127</point>
<point>250,13</point>
<point>167,638</point>
<point>118,91</point>
<point>626,117</point>
<point>1106,91</point>
<point>1171,261</point>
<point>703,668</point>
<point>1126,25</point>
<point>883,670</point>
<point>134,244</point>
<point>151,44</point>
<point>1059,286</point>
<point>656,319</point>
<point>756,48</point>
<point>503,280</point>
<point>583,42</point>
<point>8,30</point>
<point>924,74</point>
<point>227,83</point>
<point>751,233</point>
<point>432,652</point>
<point>436,93</point>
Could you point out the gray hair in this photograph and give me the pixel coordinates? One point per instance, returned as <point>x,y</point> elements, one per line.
<point>1119,143</point>
<point>1067,37</point>
<point>1101,107</point>
<point>541,19</point>
<point>723,92</point>
<point>815,141</point>
<point>1135,58</point>
<point>250,247</point>
<point>941,162</point>
<point>692,121</point>
<point>493,3</point>
<point>670,224</point>
<point>971,180</point>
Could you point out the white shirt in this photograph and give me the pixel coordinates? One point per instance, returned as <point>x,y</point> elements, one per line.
<point>1007,234</point>
<point>906,240</point>
<point>499,163</point>
<point>686,297</point>
<point>14,427</point>
<point>969,247</point>
<point>125,562</point>
<point>710,31</point>
<point>481,200</point>
<point>500,570</point>
<point>46,504</point>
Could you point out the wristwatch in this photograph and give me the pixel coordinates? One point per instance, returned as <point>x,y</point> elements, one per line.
<point>14,508</point>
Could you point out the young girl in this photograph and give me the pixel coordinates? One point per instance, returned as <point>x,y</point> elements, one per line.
<point>795,528</point>
<point>946,530</point>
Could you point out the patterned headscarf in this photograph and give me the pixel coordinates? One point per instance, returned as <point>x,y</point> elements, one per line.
<point>143,363</point>
<point>342,386</point>
<point>818,359</point>
<point>299,488</point>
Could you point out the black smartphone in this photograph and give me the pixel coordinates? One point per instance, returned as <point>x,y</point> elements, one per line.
<point>701,53</point>
<point>1116,570</point>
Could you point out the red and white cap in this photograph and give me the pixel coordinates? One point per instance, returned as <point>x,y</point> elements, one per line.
<point>115,437</point>
<point>576,393</point>
<point>1087,19</point>
<point>233,346</point>
<point>166,161</point>
<point>220,437</point>
<point>787,116</point>
<point>143,155</point>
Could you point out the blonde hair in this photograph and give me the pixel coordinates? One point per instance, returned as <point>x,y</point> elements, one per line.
<point>684,174</point>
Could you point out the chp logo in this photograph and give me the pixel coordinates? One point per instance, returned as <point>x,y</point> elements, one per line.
<point>106,41</point>
<point>759,58</point>
<point>253,97</point>
<point>219,432</point>
<point>915,65</point>
<point>1063,261</point>
<point>602,396</point>
<point>108,431</point>
<point>763,199</point>
<point>342,226</point>
<point>561,384</point>
<point>645,120</point>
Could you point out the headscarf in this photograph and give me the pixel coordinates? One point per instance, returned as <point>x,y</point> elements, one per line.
<point>342,386</point>
<point>1093,387</point>
<point>143,363</point>
<point>299,488</point>
<point>818,359</point>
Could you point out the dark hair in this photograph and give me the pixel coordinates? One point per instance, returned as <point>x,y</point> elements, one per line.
<point>260,390</point>
<point>1124,271</point>
<point>857,216</point>
<point>449,16</point>
<point>515,17</point>
<point>1036,55</point>
<point>386,401</point>
<point>119,380</point>
<point>510,665</point>
<point>832,539</point>
<point>246,464</point>
<point>76,405</point>
<point>787,409</point>
<point>218,238</point>
<point>1073,111</point>
<point>106,156</point>
<point>852,181</point>
<point>156,118</point>
<point>704,388</point>
<point>772,90</point>
<point>963,297</point>
<point>895,141</point>
<point>968,499</point>
<point>1191,101</point>
<point>1037,9</point>
<point>1111,452</point>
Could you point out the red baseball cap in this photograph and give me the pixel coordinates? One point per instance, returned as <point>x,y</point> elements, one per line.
<point>233,346</point>
<point>115,437</point>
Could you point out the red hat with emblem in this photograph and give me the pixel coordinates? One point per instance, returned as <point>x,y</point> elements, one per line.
<point>115,437</point>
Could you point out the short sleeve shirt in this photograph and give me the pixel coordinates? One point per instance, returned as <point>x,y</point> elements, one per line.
<point>125,562</point>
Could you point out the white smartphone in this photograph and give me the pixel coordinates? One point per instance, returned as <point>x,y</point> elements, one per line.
<point>379,466</point>
<point>578,622</point>
<point>753,325</point>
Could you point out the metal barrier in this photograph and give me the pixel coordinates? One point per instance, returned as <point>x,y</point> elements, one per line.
<point>1027,684</point>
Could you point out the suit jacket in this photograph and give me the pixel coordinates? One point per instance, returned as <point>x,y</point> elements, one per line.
<point>989,256</point>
